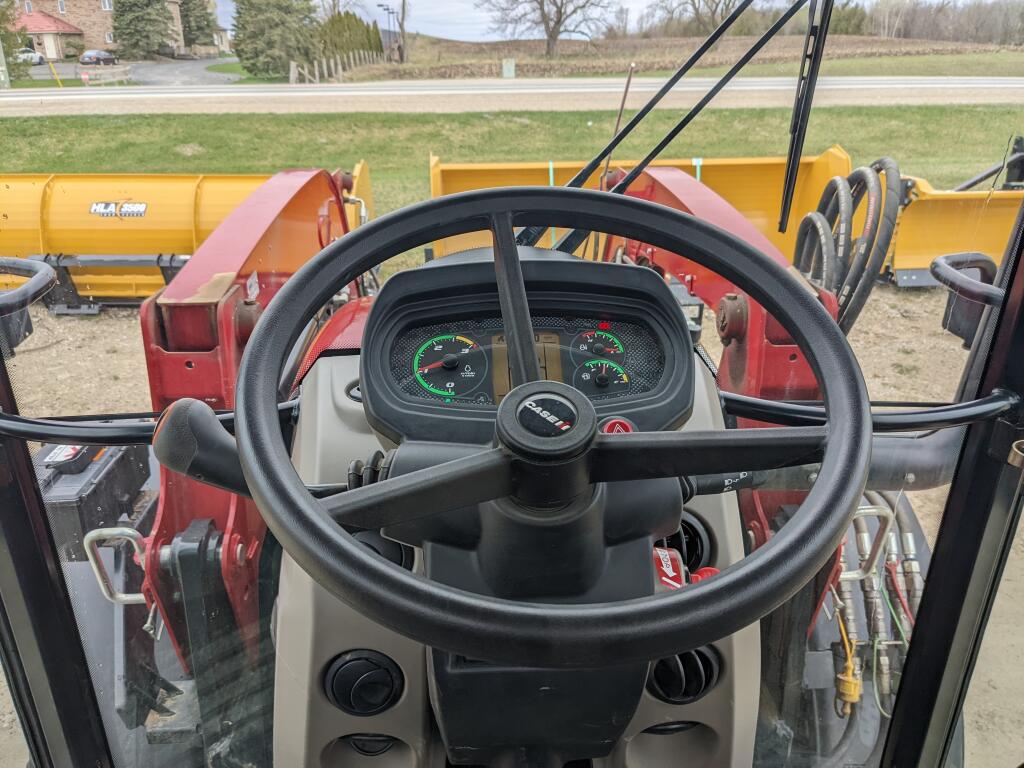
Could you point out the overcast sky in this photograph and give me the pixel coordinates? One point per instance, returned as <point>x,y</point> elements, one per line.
<point>454,19</point>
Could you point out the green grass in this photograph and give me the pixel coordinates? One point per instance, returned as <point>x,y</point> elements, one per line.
<point>989,64</point>
<point>235,68</point>
<point>944,144</point>
<point>71,82</point>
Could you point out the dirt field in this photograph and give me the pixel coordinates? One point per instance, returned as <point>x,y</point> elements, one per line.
<point>432,57</point>
<point>76,365</point>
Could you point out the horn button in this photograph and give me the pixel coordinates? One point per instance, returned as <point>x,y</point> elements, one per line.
<point>546,421</point>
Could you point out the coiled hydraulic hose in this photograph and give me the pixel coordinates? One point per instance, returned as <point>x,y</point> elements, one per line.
<point>855,262</point>
<point>867,187</point>
<point>816,251</point>
<point>849,313</point>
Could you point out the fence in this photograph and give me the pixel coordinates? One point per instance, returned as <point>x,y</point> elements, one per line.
<point>99,74</point>
<point>332,69</point>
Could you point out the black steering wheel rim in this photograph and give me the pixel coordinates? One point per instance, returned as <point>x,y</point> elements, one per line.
<point>538,634</point>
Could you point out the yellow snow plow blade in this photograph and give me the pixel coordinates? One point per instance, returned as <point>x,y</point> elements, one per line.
<point>935,222</point>
<point>123,226</point>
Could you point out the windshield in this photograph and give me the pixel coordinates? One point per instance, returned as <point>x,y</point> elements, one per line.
<point>175,185</point>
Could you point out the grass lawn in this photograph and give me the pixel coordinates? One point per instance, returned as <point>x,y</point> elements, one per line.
<point>71,82</point>
<point>987,64</point>
<point>235,68</point>
<point>944,144</point>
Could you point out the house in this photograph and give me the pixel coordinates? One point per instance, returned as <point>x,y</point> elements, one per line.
<point>92,20</point>
<point>48,33</point>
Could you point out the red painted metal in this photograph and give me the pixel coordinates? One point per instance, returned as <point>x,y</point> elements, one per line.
<point>342,333</point>
<point>194,332</point>
<point>759,359</point>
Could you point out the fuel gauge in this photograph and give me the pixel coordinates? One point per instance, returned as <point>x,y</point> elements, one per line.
<point>601,378</point>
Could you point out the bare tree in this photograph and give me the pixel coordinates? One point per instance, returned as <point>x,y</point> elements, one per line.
<point>705,15</point>
<point>552,18</point>
<point>330,7</point>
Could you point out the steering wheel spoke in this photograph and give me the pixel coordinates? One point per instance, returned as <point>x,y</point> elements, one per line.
<point>645,455</point>
<point>425,492</point>
<point>515,310</point>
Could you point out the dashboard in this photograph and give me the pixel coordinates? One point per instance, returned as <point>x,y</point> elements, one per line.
<point>434,363</point>
<point>455,362</point>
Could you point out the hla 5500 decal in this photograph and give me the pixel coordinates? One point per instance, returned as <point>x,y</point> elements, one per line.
<point>120,210</point>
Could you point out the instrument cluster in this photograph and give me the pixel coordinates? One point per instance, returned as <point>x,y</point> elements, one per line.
<point>461,362</point>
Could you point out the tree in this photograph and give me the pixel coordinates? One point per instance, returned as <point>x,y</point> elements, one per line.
<point>269,34</point>
<point>342,33</point>
<point>704,15</point>
<point>141,27</point>
<point>197,23</point>
<point>552,18</point>
<point>11,39</point>
<point>403,13</point>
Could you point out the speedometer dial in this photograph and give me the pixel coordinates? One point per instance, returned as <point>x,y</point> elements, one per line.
<point>450,365</point>
<point>599,344</point>
<point>601,378</point>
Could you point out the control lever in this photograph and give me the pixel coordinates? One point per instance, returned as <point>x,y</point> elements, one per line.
<point>189,439</point>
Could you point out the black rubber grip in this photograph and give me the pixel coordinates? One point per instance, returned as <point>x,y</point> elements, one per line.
<point>189,439</point>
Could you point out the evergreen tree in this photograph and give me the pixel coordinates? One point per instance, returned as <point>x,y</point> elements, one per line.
<point>378,42</point>
<point>12,40</point>
<point>271,33</point>
<point>197,22</point>
<point>341,33</point>
<point>141,27</point>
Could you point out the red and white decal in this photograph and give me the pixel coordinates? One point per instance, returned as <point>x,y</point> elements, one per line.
<point>668,568</point>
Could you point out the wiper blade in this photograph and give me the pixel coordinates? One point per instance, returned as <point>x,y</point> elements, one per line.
<point>530,235</point>
<point>810,64</point>
<point>572,240</point>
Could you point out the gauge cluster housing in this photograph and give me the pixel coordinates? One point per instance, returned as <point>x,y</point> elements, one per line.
<point>458,293</point>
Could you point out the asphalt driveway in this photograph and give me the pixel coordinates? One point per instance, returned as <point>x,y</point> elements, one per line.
<point>156,72</point>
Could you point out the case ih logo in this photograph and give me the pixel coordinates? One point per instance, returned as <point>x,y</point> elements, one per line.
<point>562,426</point>
<point>124,209</point>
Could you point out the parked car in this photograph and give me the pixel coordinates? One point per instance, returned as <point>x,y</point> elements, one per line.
<point>97,57</point>
<point>30,56</point>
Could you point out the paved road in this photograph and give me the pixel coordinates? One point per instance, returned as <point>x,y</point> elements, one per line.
<point>490,95</point>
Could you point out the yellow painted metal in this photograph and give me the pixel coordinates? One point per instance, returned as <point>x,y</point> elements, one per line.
<point>938,222</point>
<point>752,184</point>
<point>935,223</point>
<point>63,215</point>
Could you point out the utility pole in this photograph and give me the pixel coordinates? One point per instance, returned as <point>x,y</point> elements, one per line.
<point>5,76</point>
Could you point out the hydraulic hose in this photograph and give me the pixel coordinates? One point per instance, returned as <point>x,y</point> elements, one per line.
<point>816,250</point>
<point>836,205</point>
<point>880,248</point>
<point>865,186</point>
<point>837,757</point>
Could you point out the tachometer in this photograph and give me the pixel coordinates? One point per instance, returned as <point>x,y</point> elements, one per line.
<point>601,378</point>
<point>450,365</point>
<point>603,345</point>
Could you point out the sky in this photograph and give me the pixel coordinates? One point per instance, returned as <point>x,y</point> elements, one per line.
<point>453,19</point>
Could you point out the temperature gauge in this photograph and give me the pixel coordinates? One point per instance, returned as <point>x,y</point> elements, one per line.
<point>450,365</point>
<point>601,378</point>
<point>597,344</point>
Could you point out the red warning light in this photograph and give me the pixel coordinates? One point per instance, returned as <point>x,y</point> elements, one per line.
<point>604,325</point>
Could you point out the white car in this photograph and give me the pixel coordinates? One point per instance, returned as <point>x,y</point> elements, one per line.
<point>32,57</point>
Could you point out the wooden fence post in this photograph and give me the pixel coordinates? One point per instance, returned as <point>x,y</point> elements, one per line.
<point>316,72</point>
<point>293,73</point>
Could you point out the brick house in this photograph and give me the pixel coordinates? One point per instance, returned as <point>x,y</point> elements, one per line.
<point>94,20</point>
<point>47,33</point>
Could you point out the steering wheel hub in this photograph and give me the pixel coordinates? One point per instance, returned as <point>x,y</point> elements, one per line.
<point>546,421</point>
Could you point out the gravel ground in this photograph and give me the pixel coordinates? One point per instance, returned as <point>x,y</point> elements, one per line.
<point>76,365</point>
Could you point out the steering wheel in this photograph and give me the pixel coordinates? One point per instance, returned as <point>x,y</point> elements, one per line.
<point>539,466</point>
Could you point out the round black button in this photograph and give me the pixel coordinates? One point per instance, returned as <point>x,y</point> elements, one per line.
<point>546,415</point>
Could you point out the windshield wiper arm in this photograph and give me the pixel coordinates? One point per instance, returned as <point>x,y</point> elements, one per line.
<point>572,240</point>
<point>530,235</point>
<point>810,64</point>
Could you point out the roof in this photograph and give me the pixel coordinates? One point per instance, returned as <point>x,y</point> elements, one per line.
<point>38,22</point>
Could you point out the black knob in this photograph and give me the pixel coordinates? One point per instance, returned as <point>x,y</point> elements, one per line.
<point>363,683</point>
